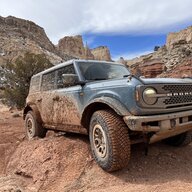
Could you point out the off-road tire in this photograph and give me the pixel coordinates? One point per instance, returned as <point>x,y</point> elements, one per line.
<point>117,140</point>
<point>180,140</point>
<point>36,129</point>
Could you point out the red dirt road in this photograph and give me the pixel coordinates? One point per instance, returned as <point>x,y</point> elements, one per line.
<point>63,163</point>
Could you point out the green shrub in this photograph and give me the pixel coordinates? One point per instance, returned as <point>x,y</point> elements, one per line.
<point>17,76</point>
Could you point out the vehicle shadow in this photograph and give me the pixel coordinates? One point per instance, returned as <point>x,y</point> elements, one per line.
<point>162,164</point>
<point>75,136</point>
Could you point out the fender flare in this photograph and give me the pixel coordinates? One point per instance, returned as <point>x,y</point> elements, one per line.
<point>34,108</point>
<point>98,103</point>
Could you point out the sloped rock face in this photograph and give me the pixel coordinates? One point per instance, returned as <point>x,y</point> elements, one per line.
<point>184,69</point>
<point>18,36</point>
<point>182,37</point>
<point>178,50</point>
<point>101,53</point>
<point>12,26</point>
<point>48,164</point>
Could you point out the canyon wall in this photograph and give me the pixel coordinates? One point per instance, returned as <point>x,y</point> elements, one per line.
<point>166,59</point>
<point>18,36</point>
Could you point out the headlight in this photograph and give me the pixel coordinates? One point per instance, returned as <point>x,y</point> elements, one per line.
<point>149,96</point>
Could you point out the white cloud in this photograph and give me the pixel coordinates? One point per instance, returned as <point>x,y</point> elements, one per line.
<point>69,17</point>
<point>132,55</point>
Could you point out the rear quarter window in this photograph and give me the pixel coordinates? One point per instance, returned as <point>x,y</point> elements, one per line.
<point>35,84</point>
<point>48,81</point>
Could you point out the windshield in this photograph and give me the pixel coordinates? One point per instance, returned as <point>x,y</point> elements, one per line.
<point>102,71</point>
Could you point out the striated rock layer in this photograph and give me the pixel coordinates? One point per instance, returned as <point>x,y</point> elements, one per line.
<point>176,52</point>
<point>184,69</point>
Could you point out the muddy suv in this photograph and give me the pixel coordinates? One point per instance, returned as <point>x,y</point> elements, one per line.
<point>114,107</point>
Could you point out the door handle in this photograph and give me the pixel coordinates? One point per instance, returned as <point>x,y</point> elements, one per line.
<point>56,98</point>
<point>39,100</point>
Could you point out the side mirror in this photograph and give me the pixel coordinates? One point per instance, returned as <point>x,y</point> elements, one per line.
<point>69,79</point>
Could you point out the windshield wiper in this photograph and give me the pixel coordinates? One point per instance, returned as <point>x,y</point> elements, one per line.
<point>97,79</point>
<point>126,75</point>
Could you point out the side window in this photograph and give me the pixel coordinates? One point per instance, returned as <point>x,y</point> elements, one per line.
<point>69,69</point>
<point>35,84</point>
<point>48,81</point>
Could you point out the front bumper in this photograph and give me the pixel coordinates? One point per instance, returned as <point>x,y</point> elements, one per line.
<point>163,126</point>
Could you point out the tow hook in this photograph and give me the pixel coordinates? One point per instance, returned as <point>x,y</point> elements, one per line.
<point>173,123</point>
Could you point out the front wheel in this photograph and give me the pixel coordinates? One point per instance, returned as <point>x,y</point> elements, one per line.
<point>33,127</point>
<point>182,139</point>
<point>109,140</point>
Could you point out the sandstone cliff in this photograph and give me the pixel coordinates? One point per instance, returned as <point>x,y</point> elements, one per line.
<point>74,45</point>
<point>14,26</point>
<point>18,36</point>
<point>176,52</point>
<point>101,53</point>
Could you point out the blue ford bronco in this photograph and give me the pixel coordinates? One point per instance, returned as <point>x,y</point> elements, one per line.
<point>114,107</point>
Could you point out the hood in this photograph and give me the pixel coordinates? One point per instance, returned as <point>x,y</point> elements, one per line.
<point>147,81</point>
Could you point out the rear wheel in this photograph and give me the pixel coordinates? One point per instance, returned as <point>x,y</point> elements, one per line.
<point>33,127</point>
<point>182,139</point>
<point>109,140</point>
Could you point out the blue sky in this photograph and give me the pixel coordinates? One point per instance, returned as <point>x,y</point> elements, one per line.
<point>126,46</point>
<point>128,27</point>
<point>131,46</point>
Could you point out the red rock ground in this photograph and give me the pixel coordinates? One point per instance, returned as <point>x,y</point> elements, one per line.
<point>63,163</point>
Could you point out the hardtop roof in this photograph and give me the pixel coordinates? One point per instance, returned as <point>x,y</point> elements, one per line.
<point>70,62</point>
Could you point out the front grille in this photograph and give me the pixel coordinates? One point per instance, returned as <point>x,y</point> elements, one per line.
<point>178,99</point>
<point>178,88</point>
<point>179,94</point>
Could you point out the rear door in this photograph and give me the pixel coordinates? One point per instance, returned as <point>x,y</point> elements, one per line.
<point>48,87</point>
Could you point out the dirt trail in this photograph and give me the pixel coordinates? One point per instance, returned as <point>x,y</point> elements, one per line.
<point>63,163</point>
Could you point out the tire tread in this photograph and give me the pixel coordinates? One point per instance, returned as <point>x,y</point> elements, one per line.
<point>120,143</point>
